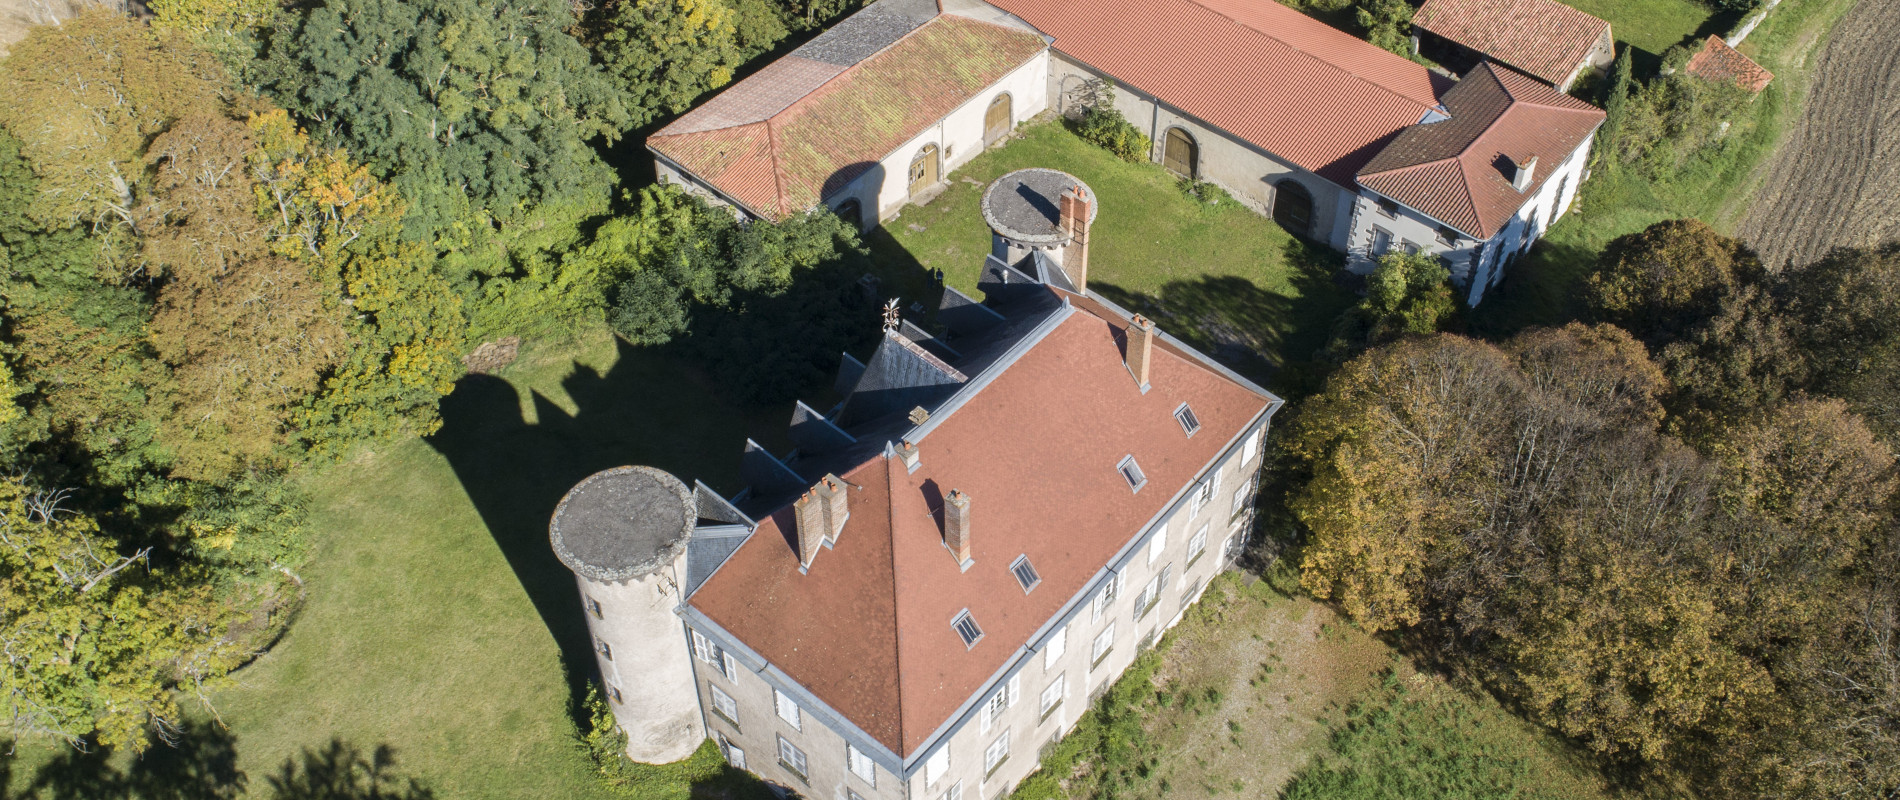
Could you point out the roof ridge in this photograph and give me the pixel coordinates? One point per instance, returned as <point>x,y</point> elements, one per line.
<point>897,650</point>
<point>1309,56</point>
<point>1409,167</point>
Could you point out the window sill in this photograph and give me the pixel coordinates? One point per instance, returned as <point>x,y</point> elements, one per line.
<point>729,721</point>
<point>1047,712</point>
<point>1099,659</point>
<point>991,772</point>
<point>1190,562</point>
<point>1147,608</point>
<point>794,771</point>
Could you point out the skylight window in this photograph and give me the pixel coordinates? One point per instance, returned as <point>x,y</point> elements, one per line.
<point>1132,473</point>
<point>967,628</point>
<point>1189,422</point>
<point>1025,573</point>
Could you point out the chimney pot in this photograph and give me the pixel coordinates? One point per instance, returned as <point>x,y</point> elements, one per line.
<point>956,527</point>
<point>1141,345</point>
<point>911,456</point>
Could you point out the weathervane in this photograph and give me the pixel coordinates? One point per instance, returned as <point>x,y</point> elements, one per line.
<point>890,315</point>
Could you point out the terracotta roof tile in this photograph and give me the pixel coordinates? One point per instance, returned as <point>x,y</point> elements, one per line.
<point>1257,69</point>
<point>1717,61</point>
<point>819,125</point>
<point>867,629</point>
<point>1459,170</point>
<point>1542,37</point>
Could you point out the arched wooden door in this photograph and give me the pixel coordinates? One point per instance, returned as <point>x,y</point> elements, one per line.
<point>925,169</point>
<point>996,120</point>
<point>1180,154</point>
<point>1293,207</point>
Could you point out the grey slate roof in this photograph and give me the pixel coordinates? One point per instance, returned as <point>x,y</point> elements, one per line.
<point>861,35</point>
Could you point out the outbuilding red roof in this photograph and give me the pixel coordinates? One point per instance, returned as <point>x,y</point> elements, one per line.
<point>1717,61</point>
<point>867,629</point>
<point>797,130</point>
<point>1542,37</point>
<point>1302,90</point>
<point>1459,170</point>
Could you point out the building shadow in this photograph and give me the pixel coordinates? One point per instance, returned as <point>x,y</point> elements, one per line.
<point>515,463</point>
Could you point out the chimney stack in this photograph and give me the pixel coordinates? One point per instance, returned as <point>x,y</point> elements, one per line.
<point>956,527</point>
<point>820,514</point>
<point>1074,221</point>
<point>1141,349</point>
<point>908,452</point>
<point>1526,172</point>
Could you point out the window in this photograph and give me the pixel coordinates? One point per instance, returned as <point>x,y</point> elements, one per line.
<point>1204,492</point>
<point>851,795</point>
<point>1232,548</point>
<point>715,655</point>
<point>1387,207</point>
<point>955,792</point>
<point>724,706</point>
<point>1381,242</point>
<point>1025,573</point>
<point>934,769</point>
<point>860,764</point>
<point>613,693</point>
<point>1104,642</point>
<point>966,628</point>
<point>1102,599</point>
<point>1447,235</point>
<point>993,709</point>
<point>1251,449</point>
<point>792,759</point>
<point>734,755</point>
<point>1157,543</point>
<point>996,754</point>
<point>593,606</point>
<point>1188,596</point>
<point>1052,696</point>
<point>1197,544</point>
<point>1149,595</point>
<point>1243,497</point>
<point>605,650</point>
<point>1131,472</point>
<point>787,709</point>
<point>1057,644</point>
<point>1411,248</point>
<point>1185,416</point>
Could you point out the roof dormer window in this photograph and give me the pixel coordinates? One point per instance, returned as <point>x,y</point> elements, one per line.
<point>1131,472</point>
<point>1025,573</point>
<point>1189,422</point>
<point>966,628</point>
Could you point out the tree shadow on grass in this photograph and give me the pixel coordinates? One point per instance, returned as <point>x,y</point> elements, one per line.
<point>1265,335</point>
<point>342,771</point>
<point>200,762</point>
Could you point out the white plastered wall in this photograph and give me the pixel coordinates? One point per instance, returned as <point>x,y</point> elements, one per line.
<point>648,662</point>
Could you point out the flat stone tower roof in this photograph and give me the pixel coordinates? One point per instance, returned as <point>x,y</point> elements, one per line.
<point>1023,206</point>
<point>623,523</point>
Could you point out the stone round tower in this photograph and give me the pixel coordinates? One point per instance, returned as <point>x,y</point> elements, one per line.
<point>624,532</point>
<point>1044,210</point>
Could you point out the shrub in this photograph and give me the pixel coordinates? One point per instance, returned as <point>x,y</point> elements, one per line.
<point>1103,125</point>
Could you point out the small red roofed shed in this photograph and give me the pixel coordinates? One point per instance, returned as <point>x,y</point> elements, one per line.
<point>1545,39</point>
<point>1718,62</point>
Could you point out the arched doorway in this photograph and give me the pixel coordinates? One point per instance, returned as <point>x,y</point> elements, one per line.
<point>996,121</point>
<point>1293,207</point>
<point>1179,153</point>
<point>925,169</point>
<point>852,213</point>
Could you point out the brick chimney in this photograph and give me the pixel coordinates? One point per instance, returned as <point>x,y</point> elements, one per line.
<point>1074,221</point>
<point>956,527</point>
<point>1525,173</point>
<point>1141,349</point>
<point>820,513</point>
<point>908,452</point>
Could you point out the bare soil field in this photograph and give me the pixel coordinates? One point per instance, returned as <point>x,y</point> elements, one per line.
<point>1836,181</point>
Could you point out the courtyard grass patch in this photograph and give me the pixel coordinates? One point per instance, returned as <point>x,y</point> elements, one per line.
<point>439,636</point>
<point>1656,25</point>
<point>1715,186</point>
<point>1217,275</point>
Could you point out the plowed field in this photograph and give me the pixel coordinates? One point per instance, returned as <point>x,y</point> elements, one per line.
<point>1836,182</point>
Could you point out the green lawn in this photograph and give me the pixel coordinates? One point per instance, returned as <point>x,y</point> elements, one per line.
<point>1546,288</point>
<point>1656,25</point>
<point>1219,276</point>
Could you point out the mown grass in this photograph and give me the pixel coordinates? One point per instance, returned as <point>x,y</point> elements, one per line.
<point>1656,25</point>
<point>1224,278</point>
<point>438,628</point>
<point>1715,186</point>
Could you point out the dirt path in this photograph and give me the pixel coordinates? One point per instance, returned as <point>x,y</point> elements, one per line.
<point>1836,182</point>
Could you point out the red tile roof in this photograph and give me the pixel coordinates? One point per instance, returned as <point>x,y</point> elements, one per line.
<point>1458,171</point>
<point>1308,93</point>
<point>867,629</point>
<point>1717,61</point>
<point>799,129</point>
<point>1542,37</point>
